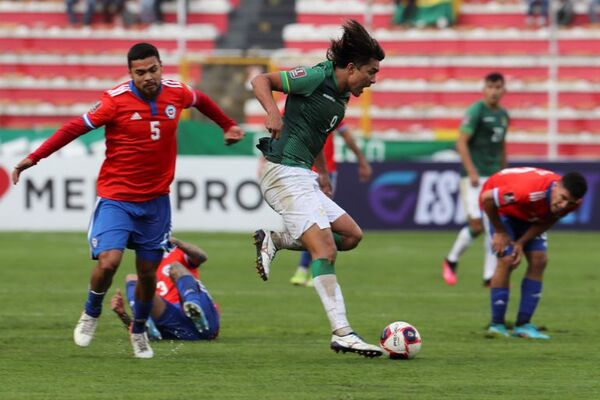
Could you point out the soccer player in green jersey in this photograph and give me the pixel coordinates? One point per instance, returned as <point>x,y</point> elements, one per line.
<point>482,149</point>
<point>316,103</point>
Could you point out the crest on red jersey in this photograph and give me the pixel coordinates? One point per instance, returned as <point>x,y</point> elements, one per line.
<point>508,198</point>
<point>171,111</point>
<point>95,107</point>
<point>298,72</point>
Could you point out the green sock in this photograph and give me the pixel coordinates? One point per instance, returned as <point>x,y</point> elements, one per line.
<point>321,266</point>
<point>338,240</point>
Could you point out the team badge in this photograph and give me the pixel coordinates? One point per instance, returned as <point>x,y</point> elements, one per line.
<point>508,198</point>
<point>171,111</point>
<point>94,242</point>
<point>95,107</point>
<point>298,73</point>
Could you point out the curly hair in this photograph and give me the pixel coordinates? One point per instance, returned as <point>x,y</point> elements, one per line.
<point>575,183</point>
<point>355,46</point>
<point>139,51</point>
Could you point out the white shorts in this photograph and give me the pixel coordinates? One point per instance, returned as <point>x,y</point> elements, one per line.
<point>294,193</point>
<point>470,197</point>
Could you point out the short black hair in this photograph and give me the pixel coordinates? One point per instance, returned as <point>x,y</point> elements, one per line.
<point>575,183</point>
<point>355,46</point>
<point>142,50</point>
<point>494,77</point>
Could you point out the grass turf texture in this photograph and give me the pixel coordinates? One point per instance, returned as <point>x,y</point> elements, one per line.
<point>274,341</point>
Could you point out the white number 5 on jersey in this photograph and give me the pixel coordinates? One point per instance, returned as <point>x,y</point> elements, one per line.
<point>155,129</point>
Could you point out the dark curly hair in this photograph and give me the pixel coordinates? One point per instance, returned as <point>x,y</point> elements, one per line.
<point>140,51</point>
<point>575,183</point>
<point>355,46</point>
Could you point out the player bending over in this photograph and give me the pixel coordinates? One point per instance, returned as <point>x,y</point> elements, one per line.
<point>522,204</point>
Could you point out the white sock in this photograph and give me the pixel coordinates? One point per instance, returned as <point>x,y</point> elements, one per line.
<point>333,302</point>
<point>462,242</point>
<point>341,320</point>
<point>489,264</point>
<point>283,240</point>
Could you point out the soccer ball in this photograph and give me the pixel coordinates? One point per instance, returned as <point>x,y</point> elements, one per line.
<point>400,340</point>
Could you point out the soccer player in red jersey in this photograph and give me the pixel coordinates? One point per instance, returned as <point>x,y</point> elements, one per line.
<point>302,276</point>
<point>133,209</point>
<point>182,308</point>
<point>522,204</point>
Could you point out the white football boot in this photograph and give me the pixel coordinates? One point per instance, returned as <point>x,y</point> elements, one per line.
<point>85,330</point>
<point>141,345</point>
<point>265,252</point>
<point>354,344</point>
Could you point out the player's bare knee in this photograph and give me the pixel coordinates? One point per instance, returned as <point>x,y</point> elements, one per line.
<point>131,278</point>
<point>176,271</point>
<point>327,252</point>
<point>353,241</point>
<point>107,266</point>
<point>537,267</point>
<point>351,238</point>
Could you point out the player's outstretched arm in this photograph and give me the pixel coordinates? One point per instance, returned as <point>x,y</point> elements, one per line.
<point>234,135</point>
<point>364,168</point>
<point>324,180</point>
<point>462,147</point>
<point>63,136</point>
<point>195,254</point>
<point>207,106</point>
<point>118,306</point>
<point>500,240</point>
<point>20,167</point>
<point>263,86</point>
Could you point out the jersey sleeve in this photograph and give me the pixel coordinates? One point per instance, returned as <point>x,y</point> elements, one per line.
<point>470,120</point>
<point>508,194</point>
<point>189,97</point>
<point>101,113</point>
<point>302,80</point>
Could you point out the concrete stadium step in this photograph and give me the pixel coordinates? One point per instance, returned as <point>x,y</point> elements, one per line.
<point>489,14</point>
<point>53,13</point>
<point>86,41</point>
<point>479,41</point>
<point>74,66</point>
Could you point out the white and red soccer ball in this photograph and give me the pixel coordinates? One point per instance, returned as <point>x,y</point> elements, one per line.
<point>400,340</point>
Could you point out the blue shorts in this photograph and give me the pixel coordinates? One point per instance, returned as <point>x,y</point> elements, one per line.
<point>174,324</point>
<point>517,228</point>
<point>142,226</point>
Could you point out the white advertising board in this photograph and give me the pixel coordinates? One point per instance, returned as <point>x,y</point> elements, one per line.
<point>208,194</point>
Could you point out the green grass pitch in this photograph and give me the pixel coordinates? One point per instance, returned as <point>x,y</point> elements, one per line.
<point>274,341</point>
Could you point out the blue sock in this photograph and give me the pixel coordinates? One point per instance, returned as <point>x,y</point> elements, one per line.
<point>130,293</point>
<point>530,297</point>
<point>93,305</point>
<point>141,312</point>
<point>188,289</point>
<point>305,259</point>
<point>499,302</point>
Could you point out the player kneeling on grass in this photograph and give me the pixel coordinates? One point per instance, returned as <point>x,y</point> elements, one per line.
<point>522,204</point>
<point>182,308</point>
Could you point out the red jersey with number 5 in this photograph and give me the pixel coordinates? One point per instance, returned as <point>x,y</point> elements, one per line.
<point>164,285</point>
<point>522,193</point>
<point>141,139</point>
